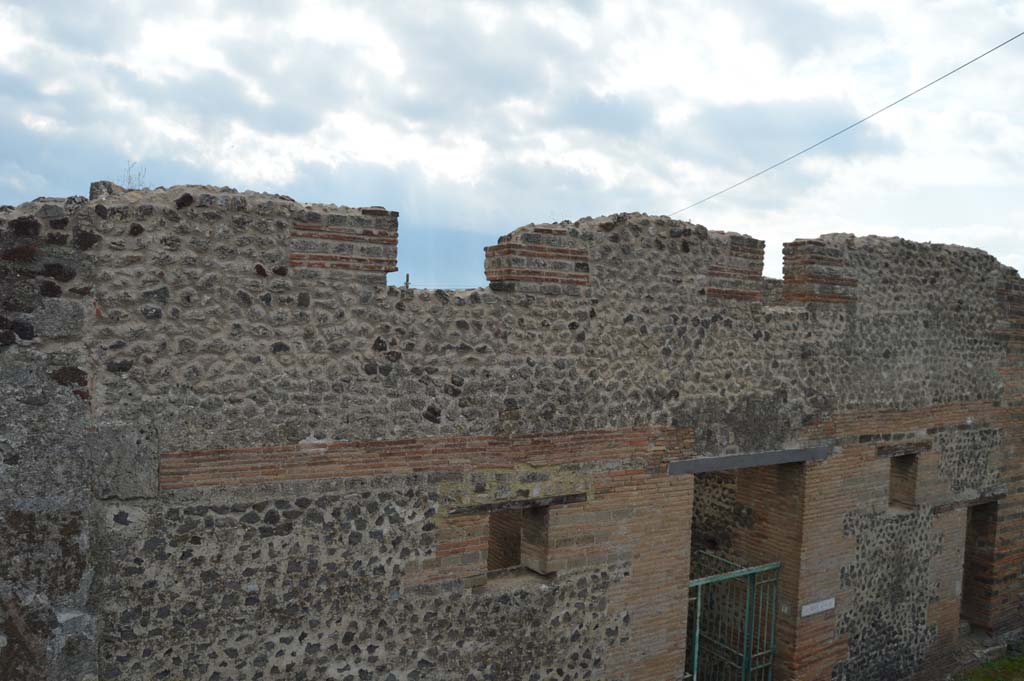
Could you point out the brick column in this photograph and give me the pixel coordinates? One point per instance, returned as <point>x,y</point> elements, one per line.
<point>360,241</point>
<point>1007,612</point>
<point>644,519</point>
<point>538,258</point>
<point>817,271</point>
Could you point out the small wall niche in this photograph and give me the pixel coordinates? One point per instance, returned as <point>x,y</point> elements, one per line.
<point>518,538</point>
<point>903,482</point>
<point>504,539</point>
<point>977,594</point>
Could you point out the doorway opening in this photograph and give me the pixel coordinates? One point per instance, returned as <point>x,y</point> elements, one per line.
<point>979,556</point>
<point>746,526</point>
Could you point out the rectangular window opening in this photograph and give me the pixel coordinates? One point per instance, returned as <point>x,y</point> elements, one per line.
<point>504,540</point>
<point>518,538</point>
<point>902,482</point>
<point>976,595</point>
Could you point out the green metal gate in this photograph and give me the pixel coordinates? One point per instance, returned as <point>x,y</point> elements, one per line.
<point>731,620</point>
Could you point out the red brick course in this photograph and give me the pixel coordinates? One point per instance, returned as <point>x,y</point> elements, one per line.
<point>255,465</point>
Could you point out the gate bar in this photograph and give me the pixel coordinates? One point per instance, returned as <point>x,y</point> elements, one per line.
<point>735,573</point>
<point>748,629</point>
<point>696,634</point>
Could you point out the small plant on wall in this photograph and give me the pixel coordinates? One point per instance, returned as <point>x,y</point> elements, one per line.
<point>134,176</point>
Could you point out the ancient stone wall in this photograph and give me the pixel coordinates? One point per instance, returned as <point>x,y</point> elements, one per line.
<point>50,448</point>
<point>716,512</point>
<point>251,458</point>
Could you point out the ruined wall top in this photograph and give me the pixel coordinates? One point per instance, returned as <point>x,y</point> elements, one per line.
<point>228,318</point>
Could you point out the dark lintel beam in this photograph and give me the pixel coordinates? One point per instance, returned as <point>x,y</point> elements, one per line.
<point>709,464</point>
<point>518,504</point>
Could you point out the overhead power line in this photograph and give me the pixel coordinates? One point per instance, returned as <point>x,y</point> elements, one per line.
<point>849,127</point>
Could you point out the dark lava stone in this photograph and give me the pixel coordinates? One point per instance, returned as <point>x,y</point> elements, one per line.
<point>23,329</point>
<point>25,226</point>
<point>85,240</point>
<point>119,366</point>
<point>48,289</point>
<point>70,376</point>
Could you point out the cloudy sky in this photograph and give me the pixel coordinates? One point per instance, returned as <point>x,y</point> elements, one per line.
<point>472,118</point>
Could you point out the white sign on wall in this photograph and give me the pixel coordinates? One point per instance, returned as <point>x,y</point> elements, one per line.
<point>817,607</point>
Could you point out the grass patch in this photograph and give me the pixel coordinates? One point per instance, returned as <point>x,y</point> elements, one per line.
<point>1006,669</point>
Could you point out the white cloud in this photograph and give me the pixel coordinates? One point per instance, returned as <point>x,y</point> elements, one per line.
<point>564,21</point>
<point>175,50</point>
<point>14,38</point>
<point>248,156</point>
<point>486,110</point>
<point>20,180</point>
<point>43,124</point>
<point>488,15</point>
<point>323,22</point>
<point>353,136</point>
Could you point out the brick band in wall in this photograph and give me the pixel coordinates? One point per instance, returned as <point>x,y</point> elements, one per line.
<point>542,255</point>
<point>256,465</point>
<point>816,271</point>
<point>362,240</point>
<point>738,275</point>
<point>342,262</point>
<point>340,233</point>
<point>883,427</point>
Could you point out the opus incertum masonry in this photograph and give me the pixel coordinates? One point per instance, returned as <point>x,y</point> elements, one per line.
<point>230,450</point>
